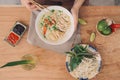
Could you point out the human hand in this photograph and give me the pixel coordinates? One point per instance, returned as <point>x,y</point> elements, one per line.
<point>75,11</point>
<point>29,5</point>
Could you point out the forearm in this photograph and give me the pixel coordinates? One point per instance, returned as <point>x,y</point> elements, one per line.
<point>75,11</point>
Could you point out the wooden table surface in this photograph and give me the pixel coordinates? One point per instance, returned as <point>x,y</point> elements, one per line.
<point>51,64</point>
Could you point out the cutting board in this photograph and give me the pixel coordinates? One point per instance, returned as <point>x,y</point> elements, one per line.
<point>51,65</point>
<point>109,47</point>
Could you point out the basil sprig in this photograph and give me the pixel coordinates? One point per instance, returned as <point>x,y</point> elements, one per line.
<point>77,54</point>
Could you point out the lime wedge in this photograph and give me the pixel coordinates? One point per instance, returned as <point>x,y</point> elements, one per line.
<point>33,61</point>
<point>82,21</point>
<point>92,37</point>
<point>107,31</point>
<point>102,25</point>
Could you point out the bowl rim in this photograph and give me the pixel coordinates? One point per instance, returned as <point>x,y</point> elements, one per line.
<point>68,36</point>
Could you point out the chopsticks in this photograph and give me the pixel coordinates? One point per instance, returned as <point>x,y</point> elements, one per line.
<point>41,7</point>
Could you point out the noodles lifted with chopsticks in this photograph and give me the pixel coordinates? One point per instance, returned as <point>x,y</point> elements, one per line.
<point>54,24</point>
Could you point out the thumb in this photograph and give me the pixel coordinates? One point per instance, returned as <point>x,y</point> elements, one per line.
<point>32,7</point>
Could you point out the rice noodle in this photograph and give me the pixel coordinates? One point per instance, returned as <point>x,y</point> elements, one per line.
<point>88,68</point>
<point>56,23</point>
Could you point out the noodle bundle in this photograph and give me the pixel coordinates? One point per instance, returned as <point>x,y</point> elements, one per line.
<point>88,68</point>
<point>54,24</point>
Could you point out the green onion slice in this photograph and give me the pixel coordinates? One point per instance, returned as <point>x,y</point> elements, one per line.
<point>28,62</point>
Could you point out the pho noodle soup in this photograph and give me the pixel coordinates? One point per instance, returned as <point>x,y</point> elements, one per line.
<point>54,24</point>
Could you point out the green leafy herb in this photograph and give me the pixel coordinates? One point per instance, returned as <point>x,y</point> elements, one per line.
<point>71,53</point>
<point>74,62</point>
<point>41,24</point>
<point>80,49</point>
<point>49,18</point>
<point>54,27</point>
<point>43,16</point>
<point>52,10</point>
<point>60,11</point>
<point>77,54</point>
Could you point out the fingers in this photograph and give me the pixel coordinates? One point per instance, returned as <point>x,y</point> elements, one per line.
<point>75,16</point>
<point>78,3</point>
<point>29,5</point>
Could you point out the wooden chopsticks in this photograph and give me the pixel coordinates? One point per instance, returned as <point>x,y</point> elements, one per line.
<point>39,5</point>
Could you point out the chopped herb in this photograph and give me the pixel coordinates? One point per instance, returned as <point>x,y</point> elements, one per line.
<point>44,36</point>
<point>54,27</point>
<point>41,24</point>
<point>46,25</point>
<point>50,29</point>
<point>49,19</point>
<point>52,10</point>
<point>43,16</point>
<point>60,11</point>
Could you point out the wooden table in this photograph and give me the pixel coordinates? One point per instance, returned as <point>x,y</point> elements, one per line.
<point>51,64</point>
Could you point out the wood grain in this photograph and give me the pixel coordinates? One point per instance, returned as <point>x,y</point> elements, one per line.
<point>109,47</point>
<point>51,64</point>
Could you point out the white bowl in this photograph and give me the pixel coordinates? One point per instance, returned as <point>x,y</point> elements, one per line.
<point>68,33</point>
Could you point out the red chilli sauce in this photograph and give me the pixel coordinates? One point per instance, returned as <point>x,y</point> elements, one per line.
<point>13,38</point>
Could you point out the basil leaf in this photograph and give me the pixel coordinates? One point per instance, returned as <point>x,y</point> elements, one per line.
<point>77,54</point>
<point>89,56</point>
<point>52,10</point>
<point>71,53</point>
<point>73,63</point>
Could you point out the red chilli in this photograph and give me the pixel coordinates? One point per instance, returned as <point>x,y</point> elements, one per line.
<point>114,26</point>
